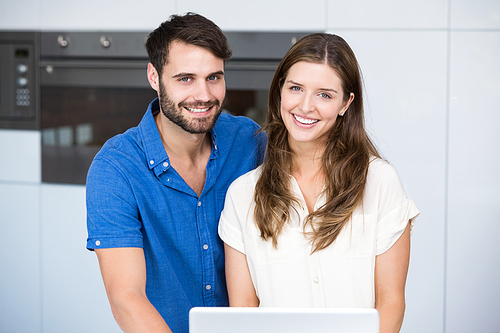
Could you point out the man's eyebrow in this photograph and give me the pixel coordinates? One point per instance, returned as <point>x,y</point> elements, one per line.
<point>184,74</point>
<point>217,73</point>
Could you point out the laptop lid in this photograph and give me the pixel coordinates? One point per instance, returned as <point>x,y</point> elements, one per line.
<point>288,320</point>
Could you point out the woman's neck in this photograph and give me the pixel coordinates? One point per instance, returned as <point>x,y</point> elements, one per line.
<point>307,159</point>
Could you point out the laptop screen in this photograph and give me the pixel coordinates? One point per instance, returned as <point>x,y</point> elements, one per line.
<point>289,320</point>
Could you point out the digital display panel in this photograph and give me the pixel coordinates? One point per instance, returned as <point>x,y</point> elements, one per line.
<point>21,53</point>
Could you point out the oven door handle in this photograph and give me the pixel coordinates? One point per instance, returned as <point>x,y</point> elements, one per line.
<point>80,73</point>
<point>122,64</point>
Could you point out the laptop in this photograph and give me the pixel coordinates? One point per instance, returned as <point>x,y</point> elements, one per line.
<point>288,320</point>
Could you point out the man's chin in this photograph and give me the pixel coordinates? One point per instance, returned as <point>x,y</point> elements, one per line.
<point>200,126</point>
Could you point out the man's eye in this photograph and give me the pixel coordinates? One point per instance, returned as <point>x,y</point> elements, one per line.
<point>185,79</point>
<point>213,78</point>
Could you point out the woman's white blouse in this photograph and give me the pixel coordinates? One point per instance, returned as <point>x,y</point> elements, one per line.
<point>341,275</point>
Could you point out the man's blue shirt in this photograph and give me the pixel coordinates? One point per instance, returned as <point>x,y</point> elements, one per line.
<point>136,199</point>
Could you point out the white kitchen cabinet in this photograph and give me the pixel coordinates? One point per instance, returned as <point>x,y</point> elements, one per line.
<point>20,14</point>
<point>104,14</point>
<point>473,272</point>
<point>475,15</point>
<point>259,15</point>
<point>73,295</point>
<point>20,260</point>
<point>387,14</point>
<point>20,155</point>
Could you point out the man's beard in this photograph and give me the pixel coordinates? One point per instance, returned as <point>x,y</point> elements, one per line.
<point>194,126</point>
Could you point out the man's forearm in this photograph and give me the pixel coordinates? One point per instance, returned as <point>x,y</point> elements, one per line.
<point>135,314</point>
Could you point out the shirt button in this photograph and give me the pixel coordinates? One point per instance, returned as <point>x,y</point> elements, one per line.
<point>316,280</point>
<point>165,164</point>
<point>152,162</point>
<point>208,287</point>
<point>199,203</point>
<point>205,247</point>
<point>97,243</point>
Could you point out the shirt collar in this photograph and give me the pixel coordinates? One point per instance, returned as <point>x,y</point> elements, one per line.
<point>153,146</point>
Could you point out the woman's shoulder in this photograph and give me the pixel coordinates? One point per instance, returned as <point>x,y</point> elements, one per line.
<point>383,182</point>
<point>247,180</point>
<point>380,168</point>
<point>382,173</point>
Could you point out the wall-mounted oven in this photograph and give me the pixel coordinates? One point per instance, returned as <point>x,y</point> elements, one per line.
<point>81,88</point>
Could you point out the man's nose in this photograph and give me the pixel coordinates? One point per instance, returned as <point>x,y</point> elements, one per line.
<point>202,93</point>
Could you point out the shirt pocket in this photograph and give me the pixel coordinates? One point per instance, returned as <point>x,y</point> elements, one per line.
<point>267,254</point>
<point>357,238</point>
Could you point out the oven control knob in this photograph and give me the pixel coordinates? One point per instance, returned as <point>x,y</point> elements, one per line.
<point>21,68</point>
<point>105,41</point>
<point>62,41</point>
<point>22,81</point>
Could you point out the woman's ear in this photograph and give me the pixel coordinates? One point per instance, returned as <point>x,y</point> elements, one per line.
<point>346,105</point>
<point>153,78</point>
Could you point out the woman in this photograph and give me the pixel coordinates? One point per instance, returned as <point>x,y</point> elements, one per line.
<point>324,222</point>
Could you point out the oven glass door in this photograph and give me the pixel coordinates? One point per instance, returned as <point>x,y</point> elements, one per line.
<point>83,104</point>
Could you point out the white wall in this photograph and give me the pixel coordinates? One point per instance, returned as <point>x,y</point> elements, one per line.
<point>473,270</point>
<point>432,80</point>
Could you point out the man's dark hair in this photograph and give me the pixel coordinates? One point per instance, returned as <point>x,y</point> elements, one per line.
<point>192,29</point>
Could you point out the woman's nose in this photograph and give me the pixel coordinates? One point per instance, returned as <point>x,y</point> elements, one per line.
<point>306,104</point>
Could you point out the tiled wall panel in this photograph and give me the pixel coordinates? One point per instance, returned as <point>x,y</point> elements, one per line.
<point>20,156</point>
<point>105,14</point>
<point>475,15</point>
<point>20,14</point>
<point>74,299</point>
<point>387,14</point>
<point>290,15</point>
<point>20,260</point>
<point>473,270</point>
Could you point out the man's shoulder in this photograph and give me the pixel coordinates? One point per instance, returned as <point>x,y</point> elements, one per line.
<point>133,140</point>
<point>119,153</point>
<point>120,142</point>
<point>239,137</point>
<point>228,122</point>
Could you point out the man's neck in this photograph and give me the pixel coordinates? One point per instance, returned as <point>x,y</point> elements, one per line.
<point>188,153</point>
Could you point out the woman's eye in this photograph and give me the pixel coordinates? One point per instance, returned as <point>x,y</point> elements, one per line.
<point>325,95</point>
<point>295,88</point>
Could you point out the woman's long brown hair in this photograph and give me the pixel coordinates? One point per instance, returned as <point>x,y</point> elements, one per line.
<point>346,158</point>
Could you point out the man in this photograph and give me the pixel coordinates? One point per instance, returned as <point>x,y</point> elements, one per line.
<point>155,193</point>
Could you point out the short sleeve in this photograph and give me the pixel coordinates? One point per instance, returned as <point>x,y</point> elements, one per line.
<point>395,209</point>
<point>236,221</point>
<point>229,225</point>
<point>392,226</point>
<point>112,214</point>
